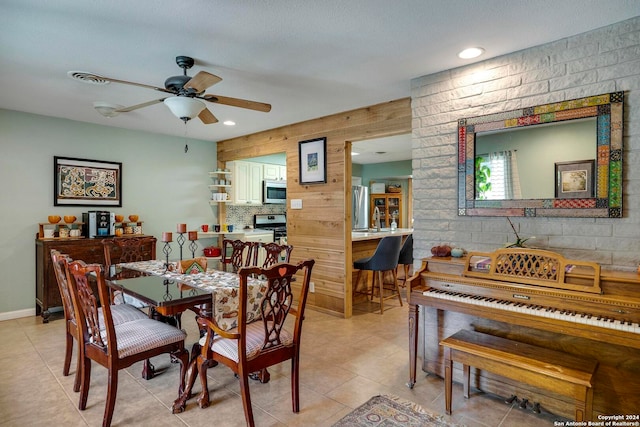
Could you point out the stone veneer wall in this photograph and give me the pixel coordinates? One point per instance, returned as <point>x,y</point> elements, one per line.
<point>601,61</point>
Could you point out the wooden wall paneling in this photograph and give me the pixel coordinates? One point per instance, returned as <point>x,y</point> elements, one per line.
<point>320,230</point>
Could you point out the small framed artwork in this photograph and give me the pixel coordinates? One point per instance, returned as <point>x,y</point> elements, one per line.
<point>83,182</point>
<point>574,180</point>
<point>313,161</point>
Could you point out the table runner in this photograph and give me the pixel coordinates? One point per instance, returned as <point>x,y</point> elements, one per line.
<point>222,285</point>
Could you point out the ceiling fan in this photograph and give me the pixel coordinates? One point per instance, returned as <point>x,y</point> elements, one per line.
<point>186,94</point>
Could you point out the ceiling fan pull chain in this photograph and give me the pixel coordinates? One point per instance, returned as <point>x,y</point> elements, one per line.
<point>186,146</point>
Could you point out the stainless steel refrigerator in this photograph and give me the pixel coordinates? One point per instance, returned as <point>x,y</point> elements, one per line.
<point>360,208</point>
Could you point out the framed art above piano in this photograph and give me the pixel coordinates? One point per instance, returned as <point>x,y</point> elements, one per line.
<point>526,144</point>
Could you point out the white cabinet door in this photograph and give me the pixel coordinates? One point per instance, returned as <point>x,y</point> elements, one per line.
<point>255,183</point>
<point>247,183</point>
<point>275,172</point>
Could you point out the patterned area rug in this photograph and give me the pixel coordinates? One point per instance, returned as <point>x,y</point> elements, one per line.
<point>386,410</point>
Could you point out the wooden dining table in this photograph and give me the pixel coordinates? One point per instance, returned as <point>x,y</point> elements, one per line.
<point>171,293</point>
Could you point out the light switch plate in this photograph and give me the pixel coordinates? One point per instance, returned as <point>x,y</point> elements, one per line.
<point>296,203</point>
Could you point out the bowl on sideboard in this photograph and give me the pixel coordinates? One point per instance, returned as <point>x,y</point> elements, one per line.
<point>119,218</point>
<point>54,219</point>
<point>69,219</point>
<point>133,218</point>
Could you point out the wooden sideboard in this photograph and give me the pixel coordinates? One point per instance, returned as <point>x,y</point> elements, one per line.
<point>47,293</point>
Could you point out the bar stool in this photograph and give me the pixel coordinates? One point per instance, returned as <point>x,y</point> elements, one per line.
<point>385,258</point>
<point>405,259</point>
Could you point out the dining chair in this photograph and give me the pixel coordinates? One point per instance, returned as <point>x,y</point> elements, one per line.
<point>238,253</point>
<point>253,347</point>
<point>128,249</point>
<point>273,253</point>
<point>121,313</point>
<point>116,346</point>
<point>385,258</point>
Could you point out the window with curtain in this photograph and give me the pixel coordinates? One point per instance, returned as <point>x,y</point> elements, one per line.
<point>502,174</point>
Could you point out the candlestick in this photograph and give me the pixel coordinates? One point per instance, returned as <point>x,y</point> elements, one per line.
<point>192,247</point>
<point>166,250</point>
<point>182,228</point>
<point>193,235</point>
<point>181,239</point>
<point>167,237</point>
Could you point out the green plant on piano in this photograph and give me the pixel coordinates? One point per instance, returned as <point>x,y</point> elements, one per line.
<point>520,242</point>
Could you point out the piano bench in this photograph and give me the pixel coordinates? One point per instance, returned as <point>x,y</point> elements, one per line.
<point>559,372</point>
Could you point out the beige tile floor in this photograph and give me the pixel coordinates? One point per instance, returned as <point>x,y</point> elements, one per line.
<point>344,362</point>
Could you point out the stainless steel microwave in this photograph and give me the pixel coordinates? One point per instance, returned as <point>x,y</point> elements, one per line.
<point>274,192</point>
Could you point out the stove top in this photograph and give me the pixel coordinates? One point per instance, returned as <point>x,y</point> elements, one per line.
<point>275,222</point>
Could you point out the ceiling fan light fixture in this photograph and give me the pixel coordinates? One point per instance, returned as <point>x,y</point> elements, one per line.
<point>183,107</point>
<point>107,109</point>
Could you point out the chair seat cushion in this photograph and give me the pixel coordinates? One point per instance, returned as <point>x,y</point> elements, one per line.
<point>136,336</point>
<point>255,340</point>
<point>361,264</point>
<point>122,313</point>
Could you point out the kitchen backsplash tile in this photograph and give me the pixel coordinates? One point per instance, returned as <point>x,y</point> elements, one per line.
<point>242,216</point>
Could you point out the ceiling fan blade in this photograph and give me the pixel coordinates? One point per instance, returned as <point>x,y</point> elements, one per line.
<point>137,106</point>
<point>207,117</point>
<point>201,81</point>
<point>237,102</point>
<point>161,89</point>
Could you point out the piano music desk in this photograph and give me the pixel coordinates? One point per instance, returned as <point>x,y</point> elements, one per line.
<point>559,372</point>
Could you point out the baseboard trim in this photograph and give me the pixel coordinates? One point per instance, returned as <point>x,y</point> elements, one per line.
<point>10,315</point>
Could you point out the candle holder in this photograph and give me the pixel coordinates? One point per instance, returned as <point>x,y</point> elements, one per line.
<point>166,250</point>
<point>181,239</point>
<point>192,247</point>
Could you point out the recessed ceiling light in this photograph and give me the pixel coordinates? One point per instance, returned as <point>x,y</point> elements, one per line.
<point>353,153</point>
<point>229,123</point>
<point>472,52</point>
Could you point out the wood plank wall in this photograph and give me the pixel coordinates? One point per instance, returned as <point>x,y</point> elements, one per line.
<point>322,228</point>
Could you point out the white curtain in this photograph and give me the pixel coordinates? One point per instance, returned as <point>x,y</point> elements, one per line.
<point>505,180</point>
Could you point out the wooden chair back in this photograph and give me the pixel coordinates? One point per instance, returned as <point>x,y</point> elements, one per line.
<point>60,262</point>
<point>59,259</point>
<point>129,249</point>
<point>273,253</point>
<point>237,254</point>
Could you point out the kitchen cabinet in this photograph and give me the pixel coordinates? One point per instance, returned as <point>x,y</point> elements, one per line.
<point>389,205</point>
<point>274,172</point>
<point>246,188</point>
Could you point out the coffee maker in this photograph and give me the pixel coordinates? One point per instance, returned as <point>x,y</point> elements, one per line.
<point>99,224</point>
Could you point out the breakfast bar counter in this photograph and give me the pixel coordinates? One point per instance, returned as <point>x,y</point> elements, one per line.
<point>357,236</point>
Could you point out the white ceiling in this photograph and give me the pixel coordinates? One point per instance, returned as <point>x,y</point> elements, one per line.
<point>306,58</point>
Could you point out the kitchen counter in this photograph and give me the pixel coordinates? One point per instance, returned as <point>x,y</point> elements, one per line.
<point>357,236</point>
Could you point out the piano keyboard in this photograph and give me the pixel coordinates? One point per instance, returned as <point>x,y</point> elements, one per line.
<point>535,310</point>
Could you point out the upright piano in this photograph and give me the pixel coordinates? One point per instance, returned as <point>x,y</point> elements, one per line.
<point>541,298</point>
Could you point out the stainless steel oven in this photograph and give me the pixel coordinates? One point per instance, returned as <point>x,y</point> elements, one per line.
<point>274,222</point>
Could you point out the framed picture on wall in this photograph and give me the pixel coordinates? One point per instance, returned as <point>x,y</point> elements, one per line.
<point>574,180</point>
<point>83,182</point>
<point>313,161</point>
